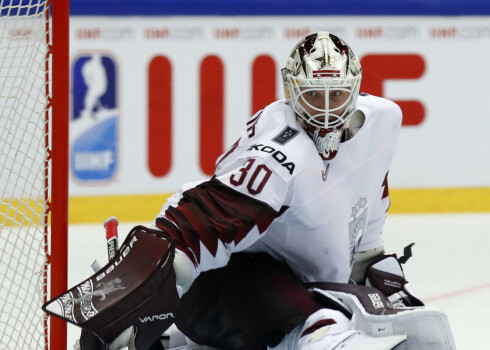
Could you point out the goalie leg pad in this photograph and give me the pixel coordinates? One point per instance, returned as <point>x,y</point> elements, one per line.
<point>328,329</point>
<point>372,314</point>
<point>137,288</point>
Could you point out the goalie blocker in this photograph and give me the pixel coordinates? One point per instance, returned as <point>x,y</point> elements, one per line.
<point>135,289</point>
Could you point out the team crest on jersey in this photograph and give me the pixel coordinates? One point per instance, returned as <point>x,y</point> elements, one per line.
<point>286,135</point>
<point>357,226</point>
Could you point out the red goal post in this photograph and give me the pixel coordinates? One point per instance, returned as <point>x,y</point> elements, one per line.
<point>34,99</point>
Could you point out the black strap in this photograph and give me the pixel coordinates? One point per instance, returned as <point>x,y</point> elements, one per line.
<point>407,254</point>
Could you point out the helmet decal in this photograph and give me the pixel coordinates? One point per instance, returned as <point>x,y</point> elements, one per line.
<point>344,49</point>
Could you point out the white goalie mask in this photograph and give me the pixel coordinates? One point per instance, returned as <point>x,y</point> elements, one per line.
<point>321,82</point>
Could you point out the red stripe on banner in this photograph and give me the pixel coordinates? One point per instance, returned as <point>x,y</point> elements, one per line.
<point>263,82</point>
<point>413,112</point>
<point>378,68</point>
<point>159,116</point>
<point>212,112</point>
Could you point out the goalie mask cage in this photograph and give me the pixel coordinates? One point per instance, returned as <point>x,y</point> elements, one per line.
<point>33,170</point>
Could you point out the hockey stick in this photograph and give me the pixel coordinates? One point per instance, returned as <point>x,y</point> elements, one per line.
<point>110,226</point>
<point>112,240</point>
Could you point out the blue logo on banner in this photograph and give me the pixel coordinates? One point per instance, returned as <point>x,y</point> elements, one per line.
<point>93,128</point>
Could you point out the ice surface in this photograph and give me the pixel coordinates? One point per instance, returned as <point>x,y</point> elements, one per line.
<point>449,270</point>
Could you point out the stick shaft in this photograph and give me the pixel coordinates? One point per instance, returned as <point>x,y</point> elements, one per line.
<point>112,239</point>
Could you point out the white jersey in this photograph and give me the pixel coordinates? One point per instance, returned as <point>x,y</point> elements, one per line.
<point>273,193</point>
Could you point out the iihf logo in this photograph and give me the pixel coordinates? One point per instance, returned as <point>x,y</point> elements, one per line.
<point>357,226</point>
<point>94,118</point>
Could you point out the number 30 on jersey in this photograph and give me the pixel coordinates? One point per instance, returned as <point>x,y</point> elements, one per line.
<point>260,174</point>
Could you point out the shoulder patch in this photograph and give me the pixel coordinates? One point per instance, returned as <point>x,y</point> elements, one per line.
<point>285,135</point>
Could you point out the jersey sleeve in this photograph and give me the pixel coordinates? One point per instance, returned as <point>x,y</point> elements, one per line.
<point>224,215</point>
<point>389,120</point>
<point>372,236</point>
<point>258,178</point>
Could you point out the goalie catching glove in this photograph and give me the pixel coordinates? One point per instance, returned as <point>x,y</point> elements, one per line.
<point>386,275</point>
<point>135,289</point>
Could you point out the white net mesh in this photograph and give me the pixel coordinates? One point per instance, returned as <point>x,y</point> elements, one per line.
<point>23,172</point>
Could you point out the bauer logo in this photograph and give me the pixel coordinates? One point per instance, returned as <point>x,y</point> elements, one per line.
<point>94,118</point>
<point>376,300</point>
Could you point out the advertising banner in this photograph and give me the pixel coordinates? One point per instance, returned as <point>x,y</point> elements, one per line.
<point>156,99</point>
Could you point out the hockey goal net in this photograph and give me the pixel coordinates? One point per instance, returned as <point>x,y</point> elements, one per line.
<point>33,170</point>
